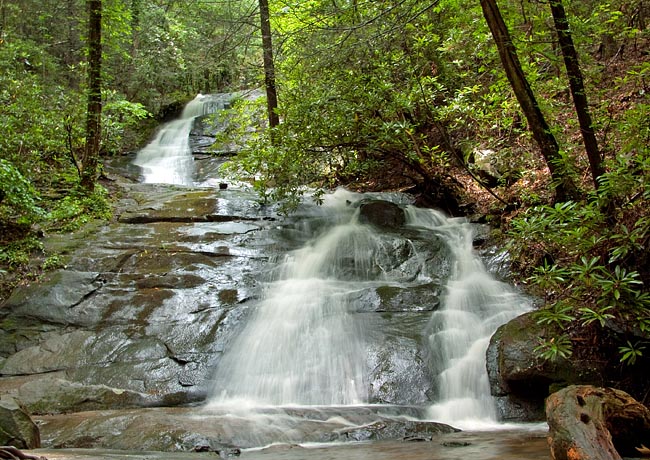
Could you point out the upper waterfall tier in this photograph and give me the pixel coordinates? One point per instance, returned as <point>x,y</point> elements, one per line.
<point>167,159</point>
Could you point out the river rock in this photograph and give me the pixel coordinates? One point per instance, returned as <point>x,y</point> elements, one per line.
<point>402,430</point>
<point>16,426</point>
<point>200,429</point>
<point>591,423</point>
<point>382,214</point>
<point>419,298</point>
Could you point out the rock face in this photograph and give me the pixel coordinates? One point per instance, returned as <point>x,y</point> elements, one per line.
<point>16,426</point>
<point>193,429</point>
<point>145,307</point>
<point>521,380</point>
<point>59,396</point>
<point>591,423</point>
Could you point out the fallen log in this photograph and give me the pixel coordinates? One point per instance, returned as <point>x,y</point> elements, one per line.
<point>591,423</point>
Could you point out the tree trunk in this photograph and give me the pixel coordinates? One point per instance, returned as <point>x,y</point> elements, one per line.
<point>564,186</point>
<point>269,67</point>
<point>577,89</point>
<point>90,159</point>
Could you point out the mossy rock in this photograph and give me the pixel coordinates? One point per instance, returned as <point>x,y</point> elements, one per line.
<point>16,426</point>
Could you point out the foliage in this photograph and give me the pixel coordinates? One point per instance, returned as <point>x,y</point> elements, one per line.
<point>630,352</point>
<point>18,198</point>
<point>555,348</point>
<point>374,93</point>
<point>78,208</point>
<point>590,259</point>
<point>156,54</point>
<point>120,118</point>
<point>19,252</point>
<point>357,94</point>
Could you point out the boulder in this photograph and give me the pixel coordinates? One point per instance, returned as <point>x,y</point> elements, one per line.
<point>521,379</point>
<point>592,423</point>
<point>404,430</point>
<point>382,214</point>
<point>485,167</point>
<point>489,166</point>
<point>54,298</point>
<point>16,426</point>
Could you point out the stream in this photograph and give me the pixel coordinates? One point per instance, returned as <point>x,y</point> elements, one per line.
<point>203,321</point>
<point>305,345</point>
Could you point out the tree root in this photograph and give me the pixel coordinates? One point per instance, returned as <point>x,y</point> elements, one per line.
<point>12,453</point>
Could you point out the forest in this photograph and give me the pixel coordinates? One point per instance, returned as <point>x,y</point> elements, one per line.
<point>530,116</point>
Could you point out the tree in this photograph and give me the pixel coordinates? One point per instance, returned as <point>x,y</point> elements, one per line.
<point>269,67</point>
<point>577,88</point>
<point>564,186</point>
<point>90,158</point>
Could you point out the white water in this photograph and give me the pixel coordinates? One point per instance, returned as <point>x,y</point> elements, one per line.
<point>167,159</point>
<point>303,344</point>
<point>474,306</point>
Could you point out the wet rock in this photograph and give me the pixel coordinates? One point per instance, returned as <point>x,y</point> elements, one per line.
<point>192,206</point>
<point>221,450</point>
<point>422,297</point>
<point>516,372</point>
<point>590,423</point>
<point>169,281</point>
<point>16,426</point>
<point>19,333</point>
<point>196,428</point>
<point>55,396</point>
<point>52,299</point>
<point>402,430</point>
<point>521,380</point>
<point>56,352</point>
<point>497,262</point>
<point>195,206</point>
<point>396,359</point>
<point>382,214</point>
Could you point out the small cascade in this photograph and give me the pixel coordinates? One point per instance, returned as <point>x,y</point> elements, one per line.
<point>474,306</point>
<point>302,345</point>
<point>305,343</point>
<point>167,159</point>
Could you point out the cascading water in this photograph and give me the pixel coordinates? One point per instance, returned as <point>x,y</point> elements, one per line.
<point>302,345</point>
<point>474,306</point>
<point>306,344</point>
<point>167,159</point>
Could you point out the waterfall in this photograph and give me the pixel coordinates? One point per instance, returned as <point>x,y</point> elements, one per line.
<point>474,306</point>
<point>167,159</point>
<point>302,345</point>
<point>305,342</point>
